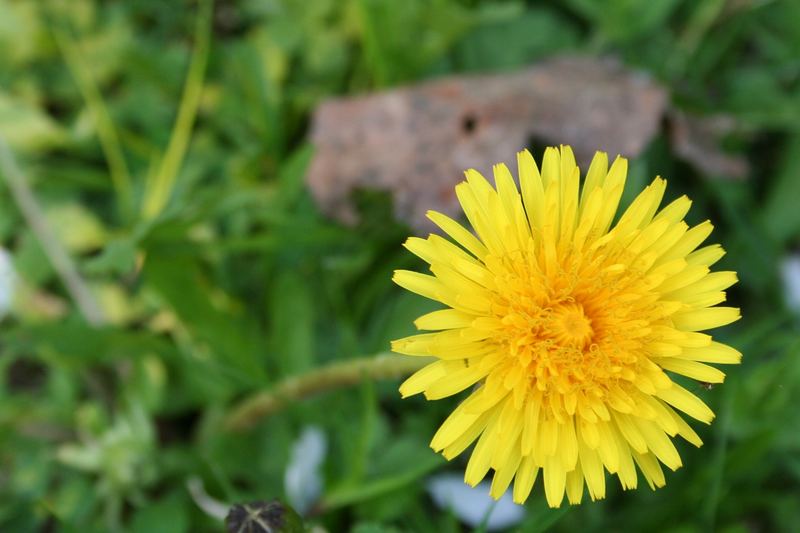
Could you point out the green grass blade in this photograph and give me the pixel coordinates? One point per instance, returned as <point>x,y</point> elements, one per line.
<point>104,125</point>
<point>159,187</point>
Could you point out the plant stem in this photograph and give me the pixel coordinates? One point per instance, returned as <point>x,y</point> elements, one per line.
<point>103,124</point>
<point>59,258</point>
<point>334,376</point>
<point>212,507</point>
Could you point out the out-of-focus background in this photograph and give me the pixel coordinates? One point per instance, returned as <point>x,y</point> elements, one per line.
<point>210,252</point>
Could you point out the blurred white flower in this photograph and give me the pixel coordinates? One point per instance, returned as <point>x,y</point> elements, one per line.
<point>470,505</point>
<point>7,282</point>
<point>790,273</point>
<point>302,480</point>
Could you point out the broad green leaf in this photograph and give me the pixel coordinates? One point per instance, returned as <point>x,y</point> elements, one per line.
<point>183,287</point>
<point>781,214</point>
<point>371,488</point>
<point>515,41</point>
<point>26,127</point>
<point>384,29</point>
<point>77,228</point>
<point>22,32</point>
<point>166,515</point>
<point>291,314</point>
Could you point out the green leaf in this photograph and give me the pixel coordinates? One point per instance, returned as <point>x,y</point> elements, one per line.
<point>372,527</point>
<point>26,127</point>
<point>781,214</point>
<point>541,518</point>
<point>75,344</point>
<point>401,464</point>
<point>394,319</point>
<point>291,313</point>
<point>385,26</point>
<point>291,178</point>
<point>117,257</point>
<point>75,500</point>
<point>22,32</point>
<point>30,260</point>
<point>624,20</point>
<point>187,291</point>
<point>77,228</point>
<point>516,41</point>
<point>168,515</point>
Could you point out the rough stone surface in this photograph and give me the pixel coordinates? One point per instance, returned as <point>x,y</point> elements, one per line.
<point>416,141</point>
<point>696,140</point>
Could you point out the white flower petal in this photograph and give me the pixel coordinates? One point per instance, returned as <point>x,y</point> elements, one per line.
<point>302,480</point>
<point>790,273</point>
<point>7,282</point>
<point>470,505</point>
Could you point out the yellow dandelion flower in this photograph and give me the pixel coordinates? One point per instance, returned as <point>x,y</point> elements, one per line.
<point>569,328</point>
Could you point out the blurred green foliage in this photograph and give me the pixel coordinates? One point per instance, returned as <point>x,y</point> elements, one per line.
<point>239,281</point>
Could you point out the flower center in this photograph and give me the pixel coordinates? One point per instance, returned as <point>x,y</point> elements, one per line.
<point>575,330</point>
<point>571,326</point>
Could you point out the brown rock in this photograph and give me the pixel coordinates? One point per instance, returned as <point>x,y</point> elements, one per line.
<point>696,140</point>
<point>416,141</point>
